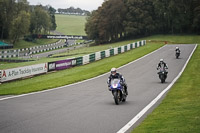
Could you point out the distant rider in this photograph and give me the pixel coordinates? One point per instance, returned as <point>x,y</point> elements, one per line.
<point>178,50</point>
<point>115,75</point>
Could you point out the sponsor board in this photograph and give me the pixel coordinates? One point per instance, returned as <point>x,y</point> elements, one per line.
<point>60,65</point>
<point>21,72</point>
<point>70,37</point>
<point>63,64</point>
<point>51,66</point>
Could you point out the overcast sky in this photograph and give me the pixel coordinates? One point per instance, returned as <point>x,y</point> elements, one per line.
<point>83,4</point>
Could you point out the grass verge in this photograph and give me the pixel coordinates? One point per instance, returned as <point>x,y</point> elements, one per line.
<point>76,74</point>
<point>179,112</point>
<point>70,24</point>
<point>37,42</point>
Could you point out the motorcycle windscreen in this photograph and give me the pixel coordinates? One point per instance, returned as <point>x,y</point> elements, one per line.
<point>115,83</point>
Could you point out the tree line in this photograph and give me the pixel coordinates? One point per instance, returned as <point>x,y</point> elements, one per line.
<point>18,18</point>
<point>72,10</point>
<point>119,19</point>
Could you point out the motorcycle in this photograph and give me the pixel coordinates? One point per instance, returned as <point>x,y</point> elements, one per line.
<point>162,75</point>
<point>118,91</point>
<point>178,52</point>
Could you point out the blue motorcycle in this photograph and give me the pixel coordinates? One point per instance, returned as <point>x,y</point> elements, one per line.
<point>118,91</point>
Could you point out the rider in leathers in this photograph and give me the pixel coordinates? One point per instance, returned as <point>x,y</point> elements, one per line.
<point>178,50</point>
<point>115,75</point>
<point>163,65</point>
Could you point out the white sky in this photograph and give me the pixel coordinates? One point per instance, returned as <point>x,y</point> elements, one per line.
<point>83,4</point>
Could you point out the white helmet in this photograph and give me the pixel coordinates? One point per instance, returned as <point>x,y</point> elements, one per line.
<point>177,48</point>
<point>161,60</point>
<point>113,71</point>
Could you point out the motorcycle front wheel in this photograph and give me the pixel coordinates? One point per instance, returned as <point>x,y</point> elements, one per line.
<point>116,97</point>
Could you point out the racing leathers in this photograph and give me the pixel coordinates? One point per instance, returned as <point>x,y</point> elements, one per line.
<point>163,66</point>
<point>122,80</point>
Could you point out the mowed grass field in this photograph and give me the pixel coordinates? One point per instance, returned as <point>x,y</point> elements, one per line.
<point>70,24</point>
<point>38,42</point>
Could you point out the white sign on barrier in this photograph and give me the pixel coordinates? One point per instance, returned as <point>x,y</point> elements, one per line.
<point>115,51</point>
<point>107,53</point>
<point>20,72</point>
<point>86,59</point>
<point>122,49</point>
<point>97,56</point>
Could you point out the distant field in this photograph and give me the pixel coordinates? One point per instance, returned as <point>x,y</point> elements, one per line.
<point>70,24</point>
<point>38,42</point>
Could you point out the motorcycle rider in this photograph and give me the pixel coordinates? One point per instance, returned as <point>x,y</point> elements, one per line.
<point>115,75</point>
<point>163,65</point>
<point>178,50</point>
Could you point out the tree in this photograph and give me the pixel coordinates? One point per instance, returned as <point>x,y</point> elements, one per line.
<point>106,23</point>
<point>139,19</point>
<point>20,26</point>
<point>91,26</point>
<point>7,10</point>
<point>52,12</point>
<point>196,18</point>
<point>40,21</point>
<point>173,16</point>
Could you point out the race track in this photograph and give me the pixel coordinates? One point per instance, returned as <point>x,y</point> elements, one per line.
<point>88,107</point>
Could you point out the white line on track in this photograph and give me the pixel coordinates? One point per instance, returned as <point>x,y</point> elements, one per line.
<point>143,111</point>
<point>53,89</point>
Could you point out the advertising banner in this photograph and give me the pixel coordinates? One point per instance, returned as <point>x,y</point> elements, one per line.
<point>63,64</point>
<point>69,37</point>
<point>20,72</point>
<point>51,66</point>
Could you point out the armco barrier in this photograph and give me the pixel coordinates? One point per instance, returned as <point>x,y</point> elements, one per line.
<point>122,49</point>
<point>125,48</point>
<point>111,52</point>
<point>86,59</point>
<point>103,54</point>
<point>119,50</point>
<point>131,46</point>
<point>79,61</point>
<point>97,55</point>
<point>107,52</point>
<point>92,57</point>
<point>115,51</point>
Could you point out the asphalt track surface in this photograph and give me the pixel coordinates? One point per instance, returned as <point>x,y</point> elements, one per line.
<point>88,107</point>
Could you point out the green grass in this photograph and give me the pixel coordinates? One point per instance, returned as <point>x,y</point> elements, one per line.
<point>70,24</point>
<point>176,39</point>
<point>38,42</point>
<point>25,44</point>
<point>80,73</point>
